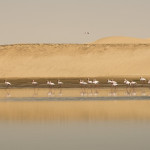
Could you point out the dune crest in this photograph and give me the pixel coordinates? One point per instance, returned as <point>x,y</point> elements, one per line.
<point>121,40</point>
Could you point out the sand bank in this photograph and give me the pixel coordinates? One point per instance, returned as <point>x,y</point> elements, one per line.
<point>74,60</point>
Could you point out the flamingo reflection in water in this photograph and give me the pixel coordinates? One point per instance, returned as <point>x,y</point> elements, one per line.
<point>8,90</point>
<point>35,86</point>
<point>83,86</point>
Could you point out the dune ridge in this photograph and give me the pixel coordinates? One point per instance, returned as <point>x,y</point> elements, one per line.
<point>74,60</point>
<point>121,40</point>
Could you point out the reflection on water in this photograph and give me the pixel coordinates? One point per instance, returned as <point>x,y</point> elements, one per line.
<point>73,125</point>
<point>73,92</point>
<point>107,135</point>
<point>74,110</point>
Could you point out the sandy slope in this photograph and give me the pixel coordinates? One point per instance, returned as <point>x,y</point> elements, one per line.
<point>66,60</point>
<point>121,40</point>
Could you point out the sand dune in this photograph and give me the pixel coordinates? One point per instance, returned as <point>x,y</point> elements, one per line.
<point>74,60</point>
<point>121,40</point>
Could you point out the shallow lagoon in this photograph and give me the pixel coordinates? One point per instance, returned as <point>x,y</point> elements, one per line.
<point>72,92</point>
<point>82,125</point>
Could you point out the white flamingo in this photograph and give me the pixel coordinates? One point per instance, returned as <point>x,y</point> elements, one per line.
<point>7,83</point>
<point>48,83</point>
<point>95,81</point>
<point>34,83</point>
<point>133,83</point>
<point>59,82</point>
<point>142,79</point>
<point>59,86</point>
<point>81,82</point>
<point>51,83</point>
<point>114,84</point>
<point>127,82</point>
<point>83,85</point>
<point>109,81</point>
<point>89,81</point>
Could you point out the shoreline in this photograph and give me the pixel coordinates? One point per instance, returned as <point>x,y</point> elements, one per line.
<point>68,82</point>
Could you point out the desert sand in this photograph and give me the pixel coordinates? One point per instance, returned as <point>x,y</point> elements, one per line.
<point>103,58</point>
<point>121,40</point>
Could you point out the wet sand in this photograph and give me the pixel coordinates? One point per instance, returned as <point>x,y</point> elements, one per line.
<point>68,82</point>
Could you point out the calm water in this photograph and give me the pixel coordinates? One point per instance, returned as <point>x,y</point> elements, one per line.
<point>64,133</point>
<point>73,92</point>
<point>75,135</point>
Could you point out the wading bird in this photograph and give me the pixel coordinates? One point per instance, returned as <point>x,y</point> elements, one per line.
<point>34,83</point>
<point>7,83</point>
<point>143,80</point>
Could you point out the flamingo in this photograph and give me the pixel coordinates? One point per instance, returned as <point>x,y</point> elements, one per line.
<point>148,82</point>
<point>109,81</point>
<point>59,82</point>
<point>59,86</point>
<point>34,83</point>
<point>81,82</point>
<point>127,82</point>
<point>48,83</point>
<point>133,83</point>
<point>114,84</point>
<point>82,85</point>
<point>89,82</point>
<point>51,83</point>
<point>95,81</point>
<point>142,80</point>
<point>7,83</point>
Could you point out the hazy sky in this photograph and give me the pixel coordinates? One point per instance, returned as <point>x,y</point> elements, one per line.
<point>65,21</point>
